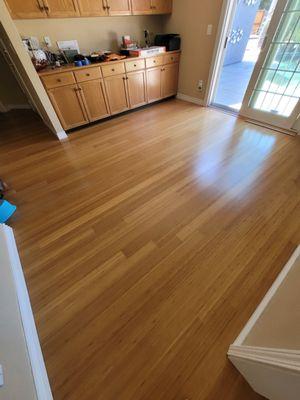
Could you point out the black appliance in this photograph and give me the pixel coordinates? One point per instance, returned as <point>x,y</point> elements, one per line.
<point>171,41</point>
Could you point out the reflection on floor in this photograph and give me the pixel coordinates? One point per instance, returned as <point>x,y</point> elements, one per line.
<point>233,84</point>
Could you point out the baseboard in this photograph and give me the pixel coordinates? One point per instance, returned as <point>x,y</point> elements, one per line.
<point>32,340</point>
<point>62,135</point>
<point>190,99</point>
<point>10,107</point>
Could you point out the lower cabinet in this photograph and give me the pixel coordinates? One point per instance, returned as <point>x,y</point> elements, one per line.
<point>137,88</point>
<point>108,90</point>
<point>154,79</point>
<point>169,80</point>
<point>162,82</point>
<point>116,91</point>
<point>69,106</point>
<point>94,98</point>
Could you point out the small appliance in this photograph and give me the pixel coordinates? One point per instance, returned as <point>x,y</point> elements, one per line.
<point>171,41</point>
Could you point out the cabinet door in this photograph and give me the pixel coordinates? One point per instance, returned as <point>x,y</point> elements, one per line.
<point>69,106</point>
<point>61,8</point>
<point>92,8</point>
<point>94,99</point>
<point>170,80</point>
<point>21,9</point>
<point>154,82</point>
<point>140,7</point>
<point>161,6</point>
<point>116,93</point>
<point>136,84</point>
<point>118,7</point>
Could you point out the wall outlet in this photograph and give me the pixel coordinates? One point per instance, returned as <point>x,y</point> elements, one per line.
<point>209,30</point>
<point>200,85</point>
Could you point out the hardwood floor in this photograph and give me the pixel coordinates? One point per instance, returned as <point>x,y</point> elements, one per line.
<point>147,241</point>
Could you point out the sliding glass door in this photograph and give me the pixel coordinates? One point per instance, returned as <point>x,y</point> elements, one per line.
<point>273,93</point>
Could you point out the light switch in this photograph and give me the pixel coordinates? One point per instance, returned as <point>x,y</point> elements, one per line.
<point>1,376</point>
<point>209,30</point>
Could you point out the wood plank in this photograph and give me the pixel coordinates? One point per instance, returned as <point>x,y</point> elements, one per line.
<point>147,242</point>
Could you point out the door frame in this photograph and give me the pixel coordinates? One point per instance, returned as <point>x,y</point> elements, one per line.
<point>246,110</point>
<point>226,21</point>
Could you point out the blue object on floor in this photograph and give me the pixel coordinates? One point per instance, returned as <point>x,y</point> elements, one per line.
<point>6,210</point>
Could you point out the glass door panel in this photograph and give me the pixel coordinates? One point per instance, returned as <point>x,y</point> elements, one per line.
<point>274,90</point>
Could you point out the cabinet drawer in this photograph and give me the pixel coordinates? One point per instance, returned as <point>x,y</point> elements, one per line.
<point>135,65</point>
<point>57,80</point>
<point>114,69</point>
<point>88,74</point>
<point>171,58</point>
<point>154,61</point>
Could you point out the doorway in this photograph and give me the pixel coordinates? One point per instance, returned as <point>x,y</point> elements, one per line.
<point>246,33</point>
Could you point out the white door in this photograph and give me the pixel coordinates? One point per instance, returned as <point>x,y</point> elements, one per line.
<point>273,93</point>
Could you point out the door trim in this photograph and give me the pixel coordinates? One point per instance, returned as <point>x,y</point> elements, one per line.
<point>226,20</point>
<point>261,116</point>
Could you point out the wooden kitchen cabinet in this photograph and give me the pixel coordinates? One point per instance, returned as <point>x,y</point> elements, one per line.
<point>116,90</point>
<point>69,106</point>
<point>83,95</point>
<point>169,82</point>
<point>137,89</point>
<point>94,99</point>
<point>140,7</point>
<point>161,6</point>
<point>92,8</point>
<point>154,81</point>
<point>22,9</point>
<point>61,8</point>
<point>118,7</point>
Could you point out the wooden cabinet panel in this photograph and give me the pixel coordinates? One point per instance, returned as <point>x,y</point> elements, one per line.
<point>94,98</point>
<point>140,7</point>
<point>169,80</point>
<point>26,8</point>
<point>56,80</point>
<point>171,58</point>
<point>92,8</point>
<point>113,69</point>
<point>69,106</point>
<point>61,8</point>
<point>161,6</point>
<point>135,65</point>
<point>116,91</point>
<point>154,82</point>
<point>118,7</point>
<point>154,61</point>
<point>88,74</point>
<point>136,85</point>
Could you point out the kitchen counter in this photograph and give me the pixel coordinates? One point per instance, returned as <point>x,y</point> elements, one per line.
<point>71,67</point>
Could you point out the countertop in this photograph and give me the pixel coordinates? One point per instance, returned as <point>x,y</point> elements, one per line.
<point>70,67</point>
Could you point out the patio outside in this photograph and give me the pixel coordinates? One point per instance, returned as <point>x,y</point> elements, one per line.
<point>249,27</point>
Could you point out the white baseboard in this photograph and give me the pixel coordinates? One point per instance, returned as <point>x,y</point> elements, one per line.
<point>32,340</point>
<point>62,135</point>
<point>190,99</point>
<point>9,107</point>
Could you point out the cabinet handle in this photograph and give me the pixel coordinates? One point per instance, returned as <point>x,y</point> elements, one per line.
<point>134,65</point>
<point>58,80</point>
<point>112,70</point>
<point>87,74</point>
